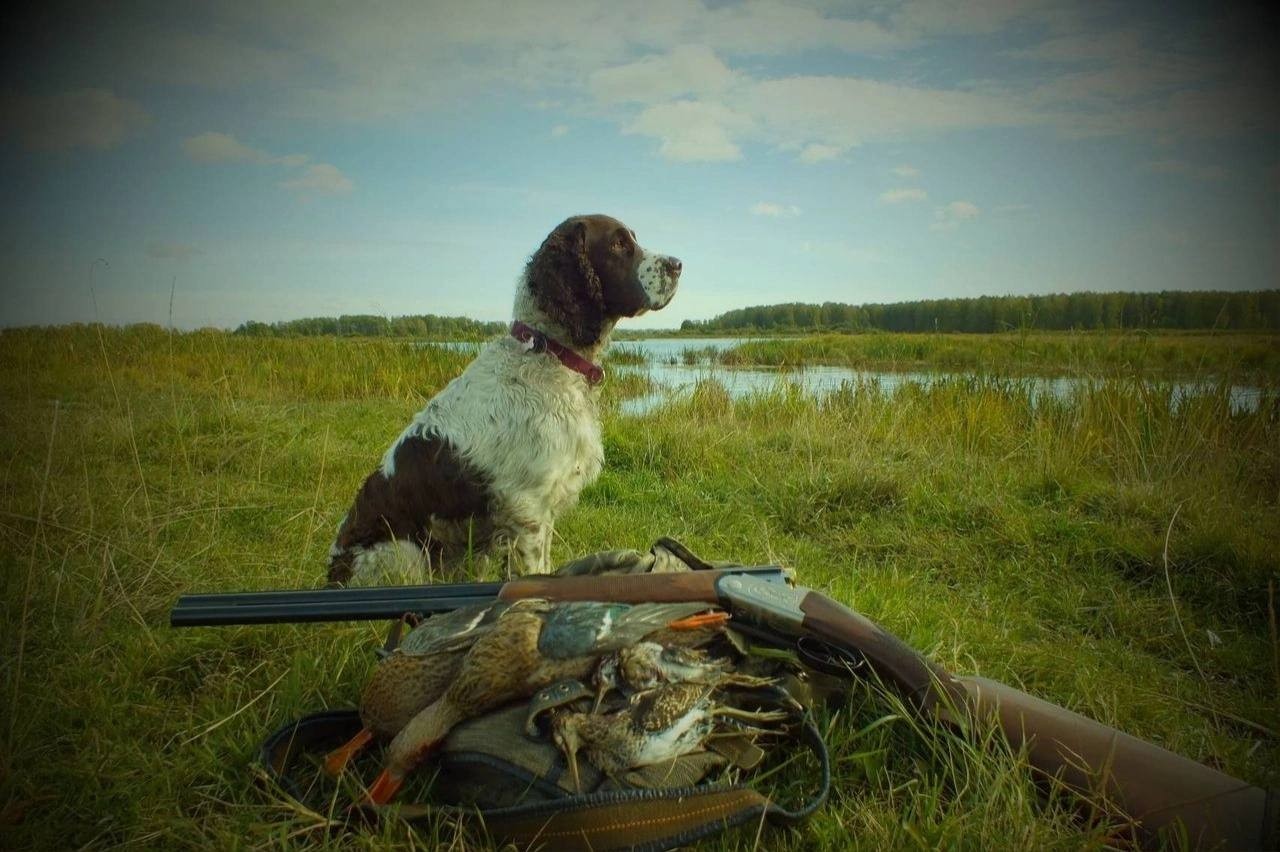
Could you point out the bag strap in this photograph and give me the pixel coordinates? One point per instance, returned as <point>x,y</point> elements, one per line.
<point>630,819</point>
<point>617,819</point>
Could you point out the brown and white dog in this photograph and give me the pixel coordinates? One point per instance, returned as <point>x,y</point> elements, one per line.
<point>496,456</point>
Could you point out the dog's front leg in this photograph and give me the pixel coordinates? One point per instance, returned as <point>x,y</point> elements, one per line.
<point>531,550</point>
<point>526,544</point>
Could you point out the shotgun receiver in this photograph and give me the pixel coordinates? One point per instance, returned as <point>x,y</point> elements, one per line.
<point>1154,787</point>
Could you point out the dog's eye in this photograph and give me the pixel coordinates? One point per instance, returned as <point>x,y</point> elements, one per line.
<point>622,245</point>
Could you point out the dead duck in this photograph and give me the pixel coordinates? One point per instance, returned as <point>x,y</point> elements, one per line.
<point>649,664</point>
<point>659,725</point>
<point>414,674</point>
<point>529,645</point>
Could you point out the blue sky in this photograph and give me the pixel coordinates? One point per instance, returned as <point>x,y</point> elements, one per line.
<point>279,160</point>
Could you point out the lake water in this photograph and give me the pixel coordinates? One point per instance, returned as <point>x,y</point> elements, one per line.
<point>667,349</point>
<point>672,377</point>
<point>667,370</point>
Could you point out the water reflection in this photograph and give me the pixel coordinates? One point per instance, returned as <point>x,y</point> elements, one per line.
<point>678,350</point>
<point>675,365</point>
<point>674,380</point>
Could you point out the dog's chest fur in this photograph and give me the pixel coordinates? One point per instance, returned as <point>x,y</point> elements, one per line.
<point>529,427</point>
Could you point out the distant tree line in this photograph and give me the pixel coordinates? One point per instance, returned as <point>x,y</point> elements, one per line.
<point>369,325</point>
<point>1197,309</point>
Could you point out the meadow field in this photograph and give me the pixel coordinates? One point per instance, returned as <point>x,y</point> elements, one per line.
<point>1148,354</point>
<point>1116,552</point>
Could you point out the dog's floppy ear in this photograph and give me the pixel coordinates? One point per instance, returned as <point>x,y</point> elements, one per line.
<point>565,285</point>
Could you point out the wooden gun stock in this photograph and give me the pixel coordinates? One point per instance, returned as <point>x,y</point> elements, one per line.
<point>1154,787</point>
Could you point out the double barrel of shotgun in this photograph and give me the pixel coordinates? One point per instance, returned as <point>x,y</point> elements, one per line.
<point>1154,788</point>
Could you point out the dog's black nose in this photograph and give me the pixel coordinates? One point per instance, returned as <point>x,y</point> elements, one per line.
<point>673,263</point>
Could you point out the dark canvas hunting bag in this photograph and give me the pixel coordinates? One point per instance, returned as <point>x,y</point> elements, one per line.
<point>519,787</point>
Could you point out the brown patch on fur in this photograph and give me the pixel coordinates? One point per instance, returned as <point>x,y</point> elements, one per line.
<point>430,480</point>
<point>565,285</point>
<point>584,273</point>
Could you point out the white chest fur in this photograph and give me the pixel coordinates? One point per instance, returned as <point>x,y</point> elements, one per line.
<point>528,425</point>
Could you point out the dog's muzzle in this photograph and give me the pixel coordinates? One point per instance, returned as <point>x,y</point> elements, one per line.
<point>659,276</point>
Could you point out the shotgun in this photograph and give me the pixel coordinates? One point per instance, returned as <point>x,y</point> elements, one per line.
<point>1155,788</point>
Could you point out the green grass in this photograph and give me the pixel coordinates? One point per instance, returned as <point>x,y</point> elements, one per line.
<point>1021,542</point>
<point>1128,353</point>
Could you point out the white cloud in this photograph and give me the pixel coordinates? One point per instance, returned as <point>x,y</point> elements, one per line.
<point>950,216</point>
<point>768,27</point>
<point>777,211</point>
<point>84,118</point>
<point>961,17</point>
<point>1139,81</point>
<point>1084,46</point>
<point>905,171</point>
<point>687,70</point>
<point>816,153</point>
<point>692,131</point>
<point>160,250</point>
<point>390,64</point>
<point>206,53</point>
<point>847,111</point>
<point>406,55</point>
<point>316,179</point>
<point>345,63</point>
<point>222,148</point>
<point>821,117</point>
<point>320,179</point>
<point>1186,169</point>
<point>559,130</point>
<point>903,195</point>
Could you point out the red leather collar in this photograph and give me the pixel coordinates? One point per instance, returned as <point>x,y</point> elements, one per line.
<point>536,341</point>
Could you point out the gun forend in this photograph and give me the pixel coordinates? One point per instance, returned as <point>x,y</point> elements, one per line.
<point>676,587</point>
<point>299,606</point>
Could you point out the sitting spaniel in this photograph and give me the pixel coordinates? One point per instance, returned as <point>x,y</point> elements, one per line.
<point>496,456</point>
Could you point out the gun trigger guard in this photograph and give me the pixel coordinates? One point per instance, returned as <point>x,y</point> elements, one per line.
<point>827,658</point>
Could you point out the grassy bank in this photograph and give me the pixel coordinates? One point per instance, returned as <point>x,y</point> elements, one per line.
<point>1160,354</point>
<point>1025,543</point>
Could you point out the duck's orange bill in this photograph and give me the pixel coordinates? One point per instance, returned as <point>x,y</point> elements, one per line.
<point>700,621</point>
<point>384,789</point>
<point>337,760</point>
